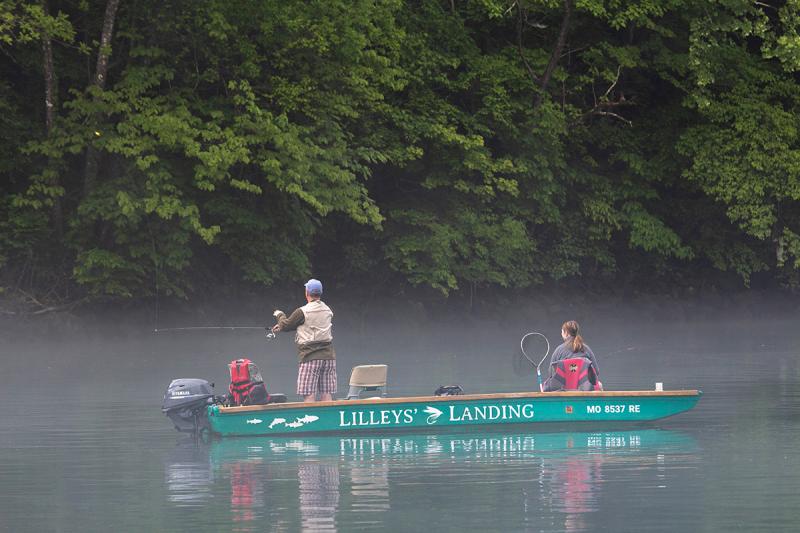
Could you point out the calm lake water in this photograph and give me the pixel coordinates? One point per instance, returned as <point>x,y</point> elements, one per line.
<point>84,446</point>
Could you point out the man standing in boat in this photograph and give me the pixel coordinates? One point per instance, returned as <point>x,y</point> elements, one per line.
<point>313,328</point>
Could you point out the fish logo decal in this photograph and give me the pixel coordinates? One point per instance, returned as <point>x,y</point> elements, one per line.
<point>277,421</point>
<point>434,414</point>
<point>302,421</point>
<point>298,422</point>
<point>254,421</point>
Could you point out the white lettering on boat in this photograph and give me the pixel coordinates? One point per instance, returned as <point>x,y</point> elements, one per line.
<point>384,417</point>
<point>469,413</point>
<point>491,412</point>
<point>614,409</point>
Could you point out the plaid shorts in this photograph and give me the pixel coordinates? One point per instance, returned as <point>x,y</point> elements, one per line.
<point>317,376</point>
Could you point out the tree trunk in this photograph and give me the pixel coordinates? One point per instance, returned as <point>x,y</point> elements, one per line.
<point>99,80</point>
<point>50,95</point>
<point>556,55</point>
<point>49,84</point>
<point>105,43</point>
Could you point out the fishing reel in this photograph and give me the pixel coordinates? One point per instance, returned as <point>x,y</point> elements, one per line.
<point>268,330</point>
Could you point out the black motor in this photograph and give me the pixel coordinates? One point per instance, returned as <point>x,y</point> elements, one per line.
<point>186,402</point>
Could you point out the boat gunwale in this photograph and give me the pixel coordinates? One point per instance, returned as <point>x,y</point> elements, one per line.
<point>462,397</point>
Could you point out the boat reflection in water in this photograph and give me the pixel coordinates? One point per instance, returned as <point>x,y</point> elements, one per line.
<point>247,493</point>
<point>319,495</point>
<point>188,475</point>
<point>330,483</point>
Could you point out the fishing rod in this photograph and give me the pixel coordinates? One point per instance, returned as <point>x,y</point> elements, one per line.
<point>267,331</point>
<point>546,353</point>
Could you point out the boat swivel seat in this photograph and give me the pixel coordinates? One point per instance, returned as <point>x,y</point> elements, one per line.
<point>576,373</point>
<point>367,378</point>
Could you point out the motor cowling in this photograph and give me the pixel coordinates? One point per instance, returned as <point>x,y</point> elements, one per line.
<point>186,402</point>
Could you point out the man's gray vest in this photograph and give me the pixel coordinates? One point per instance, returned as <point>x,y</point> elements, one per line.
<point>317,326</point>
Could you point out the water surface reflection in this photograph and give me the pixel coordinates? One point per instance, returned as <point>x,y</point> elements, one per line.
<point>189,475</point>
<point>319,494</point>
<point>344,483</point>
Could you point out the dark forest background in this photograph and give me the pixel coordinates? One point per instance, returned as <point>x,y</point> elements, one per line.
<point>196,149</point>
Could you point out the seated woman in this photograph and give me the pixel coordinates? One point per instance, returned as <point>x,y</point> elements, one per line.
<point>573,365</point>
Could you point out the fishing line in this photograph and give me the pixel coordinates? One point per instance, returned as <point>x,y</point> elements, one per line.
<point>189,328</point>
<point>267,331</point>
<point>155,269</point>
<point>621,350</point>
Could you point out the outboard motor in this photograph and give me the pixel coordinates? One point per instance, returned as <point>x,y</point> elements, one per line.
<point>185,403</point>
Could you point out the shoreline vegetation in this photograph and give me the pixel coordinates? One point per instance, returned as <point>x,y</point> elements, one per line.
<point>445,156</point>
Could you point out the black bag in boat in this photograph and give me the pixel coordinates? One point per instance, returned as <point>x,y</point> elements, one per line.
<point>449,390</point>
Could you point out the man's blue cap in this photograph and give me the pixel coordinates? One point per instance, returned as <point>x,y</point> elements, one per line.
<point>314,287</point>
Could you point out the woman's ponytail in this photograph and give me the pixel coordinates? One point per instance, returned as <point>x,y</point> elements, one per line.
<point>571,327</point>
<point>577,344</point>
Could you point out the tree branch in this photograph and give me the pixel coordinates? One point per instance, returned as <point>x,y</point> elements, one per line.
<point>554,57</point>
<point>40,308</point>
<point>610,114</point>
<point>520,48</point>
<point>603,105</point>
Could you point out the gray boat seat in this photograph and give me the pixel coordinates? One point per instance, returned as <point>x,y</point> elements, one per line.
<point>367,378</point>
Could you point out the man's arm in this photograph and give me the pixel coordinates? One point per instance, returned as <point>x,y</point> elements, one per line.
<point>289,323</point>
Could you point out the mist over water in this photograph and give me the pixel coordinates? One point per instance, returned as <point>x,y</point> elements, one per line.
<point>84,446</point>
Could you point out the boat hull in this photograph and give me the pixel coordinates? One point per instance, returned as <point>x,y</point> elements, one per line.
<point>428,413</point>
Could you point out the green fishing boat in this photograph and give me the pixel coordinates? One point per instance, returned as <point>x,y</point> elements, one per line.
<point>429,413</point>
<point>193,407</point>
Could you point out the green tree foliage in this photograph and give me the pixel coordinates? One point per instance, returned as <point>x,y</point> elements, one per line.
<point>745,150</point>
<point>453,143</point>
